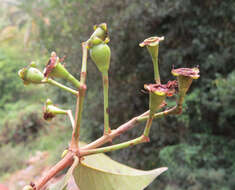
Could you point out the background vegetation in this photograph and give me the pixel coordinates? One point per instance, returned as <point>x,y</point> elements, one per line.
<point>198,146</point>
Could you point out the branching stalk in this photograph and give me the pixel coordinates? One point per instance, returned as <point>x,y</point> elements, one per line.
<point>133,142</point>
<point>74,81</point>
<point>159,115</point>
<point>63,87</point>
<point>80,99</point>
<point>148,125</point>
<point>65,162</point>
<point>114,133</point>
<point>91,148</point>
<point>129,125</point>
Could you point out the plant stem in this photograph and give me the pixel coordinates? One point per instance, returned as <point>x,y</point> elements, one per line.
<point>105,78</point>
<point>69,113</point>
<point>181,99</point>
<point>79,113</point>
<point>84,63</point>
<point>114,133</point>
<point>80,100</point>
<point>74,81</point>
<point>133,142</point>
<point>129,125</point>
<point>63,87</point>
<point>156,71</point>
<point>62,164</point>
<point>159,115</point>
<point>154,54</point>
<point>148,125</point>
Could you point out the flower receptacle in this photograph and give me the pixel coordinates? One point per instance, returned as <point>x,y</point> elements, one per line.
<point>156,97</point>
<point>185,77</point>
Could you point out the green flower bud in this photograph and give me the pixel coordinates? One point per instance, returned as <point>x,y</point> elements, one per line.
<point>185,77</point>
<point>100,53</point>
<point>50,110</point>
<point>100,31</point>
<point>31,74</point>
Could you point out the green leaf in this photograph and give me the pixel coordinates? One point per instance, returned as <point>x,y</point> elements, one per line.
<point>62,185</point>
<point>99,172</point>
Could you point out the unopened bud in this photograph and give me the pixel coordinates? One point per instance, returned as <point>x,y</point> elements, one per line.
<point>31,74</point>
<point>100,31</point>
<point>100,53</point>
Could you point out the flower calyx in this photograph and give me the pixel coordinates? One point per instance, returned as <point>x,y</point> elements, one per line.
<point>54,68</point>
<point>185,77</point>
<point>152,45</point>
<point>31,75</point>
<point>50,110</point>
<point>158,93</point>
<point>151,41</point>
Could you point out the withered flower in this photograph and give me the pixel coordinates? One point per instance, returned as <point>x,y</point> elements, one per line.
<point>54,68</point>
<point>51,64</point>
<point>50,110</point>
<point>152,45</point>
<point>185,77</point>
<point>158,93</point>
<point>152,41</point>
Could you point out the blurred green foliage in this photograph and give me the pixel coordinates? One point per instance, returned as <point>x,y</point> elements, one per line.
<point>196,146</point>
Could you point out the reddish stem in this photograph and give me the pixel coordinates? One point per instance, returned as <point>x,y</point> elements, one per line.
<point>62,164</point>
